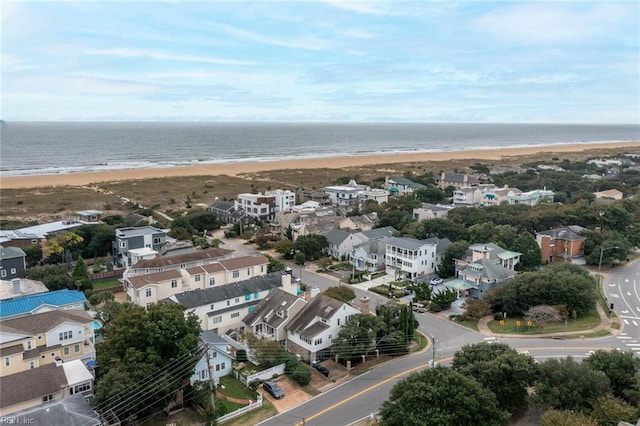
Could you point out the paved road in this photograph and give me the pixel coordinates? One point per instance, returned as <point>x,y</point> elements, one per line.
<point>622,288</point>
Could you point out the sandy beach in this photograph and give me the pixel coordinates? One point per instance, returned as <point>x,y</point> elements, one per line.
<point>79,179</point>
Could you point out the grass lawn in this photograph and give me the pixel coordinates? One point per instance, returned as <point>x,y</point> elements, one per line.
<point>230,406</point>
<point>233,387</point>
<point>469,323</point>
<point>420,340</point>
<point>510,325</point>
<point>256,416</point>
<point>100,285</point>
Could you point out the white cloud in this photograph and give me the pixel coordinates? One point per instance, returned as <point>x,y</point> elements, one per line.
<point>307,43</point>
<point>163,56</point>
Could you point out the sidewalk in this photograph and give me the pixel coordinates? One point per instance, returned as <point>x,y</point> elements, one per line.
<point>606,323</point>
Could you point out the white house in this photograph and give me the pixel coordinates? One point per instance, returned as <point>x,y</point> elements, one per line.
<point>467,196</point>
<point>311,332</point>
<point>532,198</point>
<point>216,362</point>
<point>431,211</point>
<point>272,314</point>
<point>348,197</point>
<point>222,308</point>
<point>410,258</point>
<point>341,243</point>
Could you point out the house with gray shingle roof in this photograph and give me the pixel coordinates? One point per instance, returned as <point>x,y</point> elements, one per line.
<point>456,180</point>
<point>272,314</point>
<point>431,211</point>
<point>484,266</point>
<point>222,307</point>
<point>400,186</point>
<point>12,262</point>
<point>216,362</point>
<point>563,244</point>
<point>341,243</point>
<point>311,332</point>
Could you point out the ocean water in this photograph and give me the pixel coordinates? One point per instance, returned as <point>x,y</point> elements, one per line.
<point>28,148</point>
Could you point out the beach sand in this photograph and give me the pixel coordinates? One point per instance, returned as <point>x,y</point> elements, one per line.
<point>238,169</point>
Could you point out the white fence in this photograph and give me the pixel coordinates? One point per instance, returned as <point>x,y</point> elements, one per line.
<point>241,411</point>
<point>261,375</point>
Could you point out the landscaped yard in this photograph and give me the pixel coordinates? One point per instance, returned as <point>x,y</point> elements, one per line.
<point>256,416</point>
<point>112,283</point>
<point>510,325</point>
<point>231,386</point>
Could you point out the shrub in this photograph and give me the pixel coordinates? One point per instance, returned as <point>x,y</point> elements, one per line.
<point>253,385</point>
<point>301,375</point>
<point>498,316</point>
<point>241,355</point>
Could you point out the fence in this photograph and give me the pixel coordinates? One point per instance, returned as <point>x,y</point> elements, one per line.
<point>261,375</point>
<point>116,273</point>
<point>242,410</point>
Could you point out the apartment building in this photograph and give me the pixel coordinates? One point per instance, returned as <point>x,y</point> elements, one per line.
<point>409,258</point>
<point>136,238</point>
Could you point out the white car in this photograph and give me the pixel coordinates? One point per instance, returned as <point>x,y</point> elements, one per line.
<point>436,281</point>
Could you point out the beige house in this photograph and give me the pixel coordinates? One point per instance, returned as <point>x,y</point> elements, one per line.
<point>144,290</point>
<point>612,194</point>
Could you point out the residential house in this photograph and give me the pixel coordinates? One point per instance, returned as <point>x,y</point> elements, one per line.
<point>216,362</point>
<point>72,411</point>
<point>610,194</point>
<point>222,308</point>
<point>226,212</point>
<point>34,304</point>
<point>492,196</point>
<point>311,332</point>
<point>359,223</point>
<point>271,316</point>
<point>412,259</point>
<point>181,261</point>
<point>400,186</point>
<point>320,197</point>
<point>13,261</point>
<point>261,207</point>
<point>456,180</point>
<point>135,238</point>
<point>431,211</point>
<point>89,216</point>
<point>532,198</point>
<point>17,238</point>
<point>564,244</point>
<point>285,199</point>
<point>347,197</point>
<point>550,167</point>
<point>484,266</point>
<point>467,196</point>
<point>19,287</point>
<point>375,194</point>
<point>52,382</point>
<point>144,290</point>
<point>341,243</point>
<point>370,255</point>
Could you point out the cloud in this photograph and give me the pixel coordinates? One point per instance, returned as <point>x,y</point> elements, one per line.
<point>163,56</point>
<point>550,22</point>
<point>307,43</point>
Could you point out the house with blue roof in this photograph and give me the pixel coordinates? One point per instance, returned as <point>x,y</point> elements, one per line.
<point>43,302</point>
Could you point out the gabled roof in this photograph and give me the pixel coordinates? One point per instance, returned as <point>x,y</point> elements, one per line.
<point>277,300</point>
<point>222,205</point>
<point>377,246</point>
<point>231,264</point>
<point>179,259</point>
<point>487,269</point>
<point>406,182</point>
<point>443,243</point>
<point>74,410</point>
<point>11,253</point>
<point>411,243</point>
<point>26,304</point>
<point>42,323</point>
<point>386,231</point>
<point>210,336</point>
<point>31,384</point>
<point>199,297</point>
<point>435,207</point>
<point>337,236</point>
<point>321,306</point>
<point>141,281</point>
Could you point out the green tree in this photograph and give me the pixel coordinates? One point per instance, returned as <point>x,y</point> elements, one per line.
<point>443,300</point>
<point>609,411</point>
<point>81,275</point>
<point>430,195</point>
<point>531,254</point>
<point>456,250</point>
<point>312,246</point>
<point>422,291</point>
<point>443,228</point>
<point>97,240</point>
<point>565,384</point>
<point>55,247</point>
<point>399,326</point>
<point>203,221</point>
<point>264,351</point>
<point>476,308</point>
<point>499,368</point>
<point>342,293</point>
<point>357,337</point>
<point>34,255</point>
<point>145,357</point>
<point>283,246</point>
<point>181,229</point>
<point>300,259</point>
<point>565,418</point>
<point>621,368</point>
<point>54,277</point>
<point>441,397</point>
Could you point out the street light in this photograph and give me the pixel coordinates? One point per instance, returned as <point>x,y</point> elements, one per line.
<point>602,249</point>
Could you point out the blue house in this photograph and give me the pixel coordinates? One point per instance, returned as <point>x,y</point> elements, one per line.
<point>12,262</point>
<point>215,362</point>
<point>41,302</point>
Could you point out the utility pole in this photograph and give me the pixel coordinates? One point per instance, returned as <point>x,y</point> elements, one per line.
<point>433,349</point>
<point>211,383</point>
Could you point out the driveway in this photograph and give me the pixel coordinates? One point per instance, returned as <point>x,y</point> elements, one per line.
<point>293,395</point>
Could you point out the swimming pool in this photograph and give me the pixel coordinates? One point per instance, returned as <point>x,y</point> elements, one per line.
<point>96,325</point>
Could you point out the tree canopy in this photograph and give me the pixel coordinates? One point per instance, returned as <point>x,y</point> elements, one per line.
<point>441,396</point>
<point>343,293</point>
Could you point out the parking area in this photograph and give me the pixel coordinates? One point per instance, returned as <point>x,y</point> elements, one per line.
<point>293,394</point>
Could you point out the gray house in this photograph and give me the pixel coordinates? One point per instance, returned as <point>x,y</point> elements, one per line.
<point>12,262</point>
<point>128,239</point>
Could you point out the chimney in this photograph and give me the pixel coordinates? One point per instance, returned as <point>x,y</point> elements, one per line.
<point>364,305</point>
<point>286,284</point>
<point>16,285</point>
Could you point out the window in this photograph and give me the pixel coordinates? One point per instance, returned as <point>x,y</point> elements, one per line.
<point>317,342</point>
<point>34,242</point>
<point>80,388</point>
<point>202,374</point>
<point>3,273</point>
<point>47,398</point>
<point>223,365</point>
<point>228,302</point>
<point>212,282</point>
<point>13,271</point>
<point>261,268</point>
<point>7,361</point>
<point>217,320</point>
<point>123,244</point>
<point>29,344</point>
<point>174,283</point>
<point>248,271</point>
<point>256,295</point>
<point>149,304</point>
<point>236,274</point>
<point>32,364</point>
<point>214,354</point>
<point>247,297</point>
<point>65,335</point>
<point>235,315</point>
<point>237,300</point>
<point>76,348</point>
<point>217,367</point>
<point>197,278</point>
<point>156,240</point>
<point>212,306</point>
<point>66,350</point>
<point>338,321</point>
<point>147,292</point>
<point>252,308</point>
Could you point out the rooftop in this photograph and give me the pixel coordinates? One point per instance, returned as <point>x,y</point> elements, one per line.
<point>29,303</point>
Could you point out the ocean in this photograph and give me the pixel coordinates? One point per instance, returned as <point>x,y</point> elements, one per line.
<point>32,148</point>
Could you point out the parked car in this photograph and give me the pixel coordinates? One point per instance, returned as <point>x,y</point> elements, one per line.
<point>436,281</point>
<point>418,307</point>
<point>322,370</point>
<point>273,389</point>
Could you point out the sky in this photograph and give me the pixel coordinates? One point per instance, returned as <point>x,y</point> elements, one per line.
<point>321,61</point>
